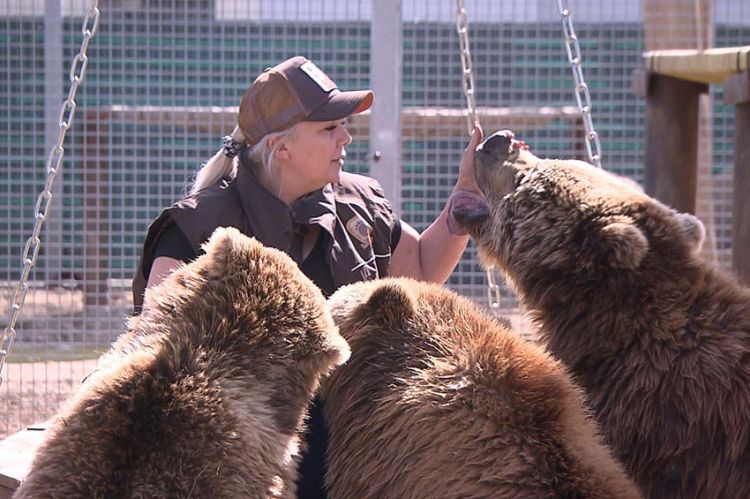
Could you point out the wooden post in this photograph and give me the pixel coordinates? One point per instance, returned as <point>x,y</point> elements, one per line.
<point>671,167</point>
<point>737,92</point>
<point>95,211</point>
<point>673,24</point>
<point>578,140</point>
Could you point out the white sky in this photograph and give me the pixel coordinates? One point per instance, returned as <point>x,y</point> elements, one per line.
<point>726,11</point>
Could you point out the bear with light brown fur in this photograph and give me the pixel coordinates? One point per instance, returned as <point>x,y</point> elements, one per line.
<point>658,338</point>
<point>440,400</point>
<point>205,394</point>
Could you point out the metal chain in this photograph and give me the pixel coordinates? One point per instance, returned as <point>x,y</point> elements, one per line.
<point>467,81</point>
<point>54,161</point>
<point>467,70</point>
<point>593,147</point>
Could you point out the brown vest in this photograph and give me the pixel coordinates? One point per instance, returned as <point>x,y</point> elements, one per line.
<point>354,212</point>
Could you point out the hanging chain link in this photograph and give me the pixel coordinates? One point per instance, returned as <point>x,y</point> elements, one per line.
<point>54,162</point>
<point>467,81</point>
<point>467,70</point>
<point>593,147</point>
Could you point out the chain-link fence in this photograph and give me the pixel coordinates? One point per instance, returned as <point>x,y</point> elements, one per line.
<point>164,79</point>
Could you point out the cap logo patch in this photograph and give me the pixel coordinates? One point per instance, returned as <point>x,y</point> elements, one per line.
<point>318,76</point>
<point>359,230</point>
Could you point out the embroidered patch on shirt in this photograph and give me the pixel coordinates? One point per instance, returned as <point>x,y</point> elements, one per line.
<point>318,76</point>
<point>359,230</point>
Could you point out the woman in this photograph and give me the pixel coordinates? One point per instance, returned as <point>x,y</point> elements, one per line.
<point>279,179</point>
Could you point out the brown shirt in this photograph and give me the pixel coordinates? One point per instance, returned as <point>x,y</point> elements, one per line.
<point>354,213</point>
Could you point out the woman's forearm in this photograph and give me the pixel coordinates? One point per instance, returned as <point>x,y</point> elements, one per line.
<point>440,250</point>
<point>432,255</point>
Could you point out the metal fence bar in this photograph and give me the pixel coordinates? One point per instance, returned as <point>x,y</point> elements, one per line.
<point>385,79</point>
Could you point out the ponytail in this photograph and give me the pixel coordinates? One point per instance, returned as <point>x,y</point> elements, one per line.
<point>221,165</point>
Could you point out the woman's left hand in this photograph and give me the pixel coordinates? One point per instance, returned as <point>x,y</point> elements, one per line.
<point>466,200</point>
<point>466,180</point>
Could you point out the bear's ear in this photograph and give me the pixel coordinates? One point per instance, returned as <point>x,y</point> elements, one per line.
<point>624,244</point>
<point>226,242</point>
<point>333,351</point>
<point>221,240</point>
<point>390,303</point>
<point>693,229</point>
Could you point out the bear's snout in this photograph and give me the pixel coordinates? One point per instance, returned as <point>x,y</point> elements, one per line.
<point>494,163</point>
<point>497,145</point>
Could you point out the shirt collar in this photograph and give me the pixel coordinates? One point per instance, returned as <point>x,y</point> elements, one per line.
<point>272,219</point>
<point>316,208</point>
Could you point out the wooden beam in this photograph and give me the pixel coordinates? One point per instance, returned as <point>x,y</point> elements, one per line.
<point>672,141</point>
<point>737,93</point>
<point>737,89</point>
<point>417,122</point>
<point>741,201</point>
<point>702,66</point>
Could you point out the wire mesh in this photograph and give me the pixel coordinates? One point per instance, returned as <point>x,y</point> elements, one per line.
<point>165,77</point>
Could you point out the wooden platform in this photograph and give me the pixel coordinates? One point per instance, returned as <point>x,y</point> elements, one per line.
<point>701,66</point>
<point>16,454</point>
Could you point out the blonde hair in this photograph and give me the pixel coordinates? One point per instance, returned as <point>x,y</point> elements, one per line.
<point>222,166</point>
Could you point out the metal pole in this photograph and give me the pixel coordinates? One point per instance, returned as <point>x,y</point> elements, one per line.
<point>385,79</point>
<point>53,97</point>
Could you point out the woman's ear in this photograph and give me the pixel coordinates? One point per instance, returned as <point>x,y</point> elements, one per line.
<point>279,147</point>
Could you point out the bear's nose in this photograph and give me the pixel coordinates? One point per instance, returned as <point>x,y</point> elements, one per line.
<point>498,145</point>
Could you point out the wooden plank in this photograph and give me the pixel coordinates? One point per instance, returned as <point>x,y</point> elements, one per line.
<point>741,199</point>
<point>672,141</point>
<point>702,66</point>
<point>16,455</point>
<point>417,122</point>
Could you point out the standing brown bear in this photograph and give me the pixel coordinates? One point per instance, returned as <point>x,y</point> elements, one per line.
<point>658,338</point>
<point>205,394</point>
<point>440,400</point>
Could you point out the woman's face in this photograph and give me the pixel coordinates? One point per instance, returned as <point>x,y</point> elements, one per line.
<point>314,156</point>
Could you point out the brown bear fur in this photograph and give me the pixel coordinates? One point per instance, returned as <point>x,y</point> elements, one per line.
<point>439,400</point>
<point>204,395</point>
<point>658,338</point>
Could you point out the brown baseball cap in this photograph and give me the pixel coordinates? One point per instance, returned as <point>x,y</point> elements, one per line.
<point>295,90</point>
